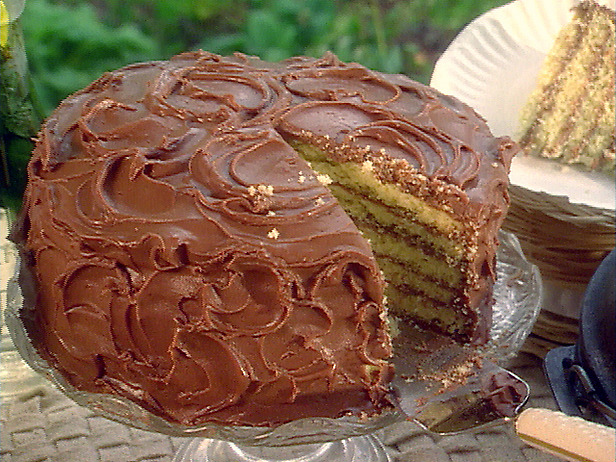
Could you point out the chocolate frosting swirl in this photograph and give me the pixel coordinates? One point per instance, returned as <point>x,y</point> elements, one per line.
<point>187,258</point>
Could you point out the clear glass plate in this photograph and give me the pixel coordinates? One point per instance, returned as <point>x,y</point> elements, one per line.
<point>517,291</point>
<point>517,294</point>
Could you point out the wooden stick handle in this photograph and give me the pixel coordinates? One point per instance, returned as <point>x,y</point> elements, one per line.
<point>568,437</point>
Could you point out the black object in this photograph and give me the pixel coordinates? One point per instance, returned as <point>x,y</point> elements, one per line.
<point>583,376</point>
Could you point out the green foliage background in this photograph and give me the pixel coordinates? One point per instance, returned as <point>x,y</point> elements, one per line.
<point>72,42</point>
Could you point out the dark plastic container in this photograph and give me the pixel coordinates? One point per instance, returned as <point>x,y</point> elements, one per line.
<point>583,376</point>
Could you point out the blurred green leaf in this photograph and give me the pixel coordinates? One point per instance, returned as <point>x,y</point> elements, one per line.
<point>68,47</point>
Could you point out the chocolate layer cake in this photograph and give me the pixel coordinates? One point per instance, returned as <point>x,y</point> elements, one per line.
<point>210,236</point>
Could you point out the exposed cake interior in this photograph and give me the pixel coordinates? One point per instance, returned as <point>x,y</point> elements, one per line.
<point>420,249</point>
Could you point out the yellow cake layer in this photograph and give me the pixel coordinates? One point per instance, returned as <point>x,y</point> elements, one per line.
<point>411,241</point>
<point>395,221</point>
<point>404,277</point>
<point>432,274</point>
<point>416,262</point>
<point>420,308</point>
<point>363,180</point>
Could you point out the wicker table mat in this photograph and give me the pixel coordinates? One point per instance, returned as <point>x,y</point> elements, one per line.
<point>40,424</point>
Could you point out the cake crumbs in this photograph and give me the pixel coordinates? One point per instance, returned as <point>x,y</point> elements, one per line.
<point>455,375</point>
<point>273,234</point>
<point>263,189</point>
<point>266,189</point>
<point>302,178</point>
<point>367,166</point>
<point>324,179</point>
<point>319,201</point>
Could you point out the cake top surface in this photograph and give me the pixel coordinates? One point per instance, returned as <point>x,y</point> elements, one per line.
<point>172,189</point>
<point>217,101</point>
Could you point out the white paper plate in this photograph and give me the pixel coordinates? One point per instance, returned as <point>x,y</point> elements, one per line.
<point>492,65</point>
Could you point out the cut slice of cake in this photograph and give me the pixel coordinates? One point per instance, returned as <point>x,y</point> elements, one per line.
<point>570,114</point>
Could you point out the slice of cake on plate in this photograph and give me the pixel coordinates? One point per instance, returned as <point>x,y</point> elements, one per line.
<point>570,115</point>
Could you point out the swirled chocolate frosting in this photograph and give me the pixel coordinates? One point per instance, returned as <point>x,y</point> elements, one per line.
<point>185,256</point>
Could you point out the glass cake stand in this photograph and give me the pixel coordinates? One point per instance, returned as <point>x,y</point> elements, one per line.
<point>424,400</point>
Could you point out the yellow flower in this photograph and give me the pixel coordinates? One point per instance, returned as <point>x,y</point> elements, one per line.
<point>4,25</point>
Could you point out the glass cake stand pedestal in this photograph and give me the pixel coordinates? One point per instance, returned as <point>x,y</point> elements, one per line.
<point>419,386</point>
<point>367,448</point>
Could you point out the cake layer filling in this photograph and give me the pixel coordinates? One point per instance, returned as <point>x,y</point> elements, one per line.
<point>418,247</point>
<point>412,243</point>
<point>420,310</point>
<point>360,178</point>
